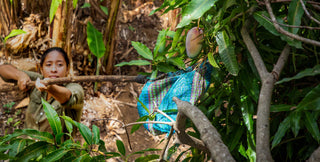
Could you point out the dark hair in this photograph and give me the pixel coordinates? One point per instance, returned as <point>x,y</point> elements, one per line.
<point>58,49</point>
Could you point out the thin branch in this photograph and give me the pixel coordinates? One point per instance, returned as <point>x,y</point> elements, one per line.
<point>281,62</point>
<point>165,150</point>
<point>149,122</point>
<point>209,134</point>
<point>281,1</point>
<point>282,31</point>
<point>164,114</point>
<point>307,12</point>
<point>293,26</point>
<point>262,70</point>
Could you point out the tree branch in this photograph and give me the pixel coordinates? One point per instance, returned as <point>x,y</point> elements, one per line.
<point>262,70</point>
<point>209,134</point>
<point>184,138</point>
<point>282,31</point>
<point>307,12</point>
<point>77,79</point>
<point>315,156</point>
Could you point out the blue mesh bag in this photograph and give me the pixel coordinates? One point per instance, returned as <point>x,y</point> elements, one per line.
<point>187,85</point>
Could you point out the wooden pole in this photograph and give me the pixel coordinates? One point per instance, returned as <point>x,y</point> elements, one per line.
<point>76,79</point>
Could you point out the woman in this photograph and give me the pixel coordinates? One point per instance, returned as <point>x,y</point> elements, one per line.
<point>66,98</point>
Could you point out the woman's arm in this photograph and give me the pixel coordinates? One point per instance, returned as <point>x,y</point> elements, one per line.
<point>60,93</point>
<point>11,72</point>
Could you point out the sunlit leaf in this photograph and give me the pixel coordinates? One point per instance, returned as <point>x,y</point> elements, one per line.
<point>147,158</point>
<point>177,61</point>
<point>166,68</point>
<point>212,60</point>
<point>86,5</point>
<point>75,2</point>
<point>95,41</point>
<point>13,33</point>
<point>53,8</point>
<point>52,117</point>
<point>104,9</point>
<point>134,62</point>
<point>194,10</point>
<point>142,50</point>
<point>161,43</point>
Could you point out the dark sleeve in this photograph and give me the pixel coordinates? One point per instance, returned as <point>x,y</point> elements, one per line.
<point>76,98</point>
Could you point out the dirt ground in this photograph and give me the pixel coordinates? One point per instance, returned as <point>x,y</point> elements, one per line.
<point>116,102</point>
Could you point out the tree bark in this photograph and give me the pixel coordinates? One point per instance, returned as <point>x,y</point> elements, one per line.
<point>209,135</point>
<point>268,80</point>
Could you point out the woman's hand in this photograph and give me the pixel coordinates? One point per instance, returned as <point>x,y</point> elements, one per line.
<point>23,81</point>
<point>41,86</point>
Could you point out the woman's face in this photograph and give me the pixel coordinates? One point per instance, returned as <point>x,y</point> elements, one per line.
<point>54,65</point>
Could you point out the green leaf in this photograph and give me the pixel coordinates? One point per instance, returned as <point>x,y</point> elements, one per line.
<point>166,68</point>
<point>295,122</point>
<point>235,138</point>
<point>52,117</point>
<point>260,16</point>
<point>281,107</point>
<point>246,114</point>
<point>177,61</point>
<point>312,126</point>
<point>282,129</point>
<point>137,126</point>
<point>96,134</point>
<point>85,132</point>
<point>307,72</point>
<point>295,13</point>
<point>16,146</point>
<point>134,62</point>
<point>311,101</point>
<point>161,43</point>
<point>69,126</point>
<point>121,147</point>
<point>43,136</point>
<point>176,38</point>
<point>142,50</point>
<point>86,5</point>
<point>13,33</point>
<point>194,10</point>
<point>53,8</point>
<point>104,9</point>
<point>32,151</point>
<point>75,2</point>
<point>227,53</point>
<point>95,41</point>
<point>212,61</point>
<point>55,155</point>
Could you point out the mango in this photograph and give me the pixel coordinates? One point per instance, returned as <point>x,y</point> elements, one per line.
<point>194,42</point>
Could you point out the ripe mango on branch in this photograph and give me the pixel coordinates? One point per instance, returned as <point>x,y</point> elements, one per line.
<point>194,42</point>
